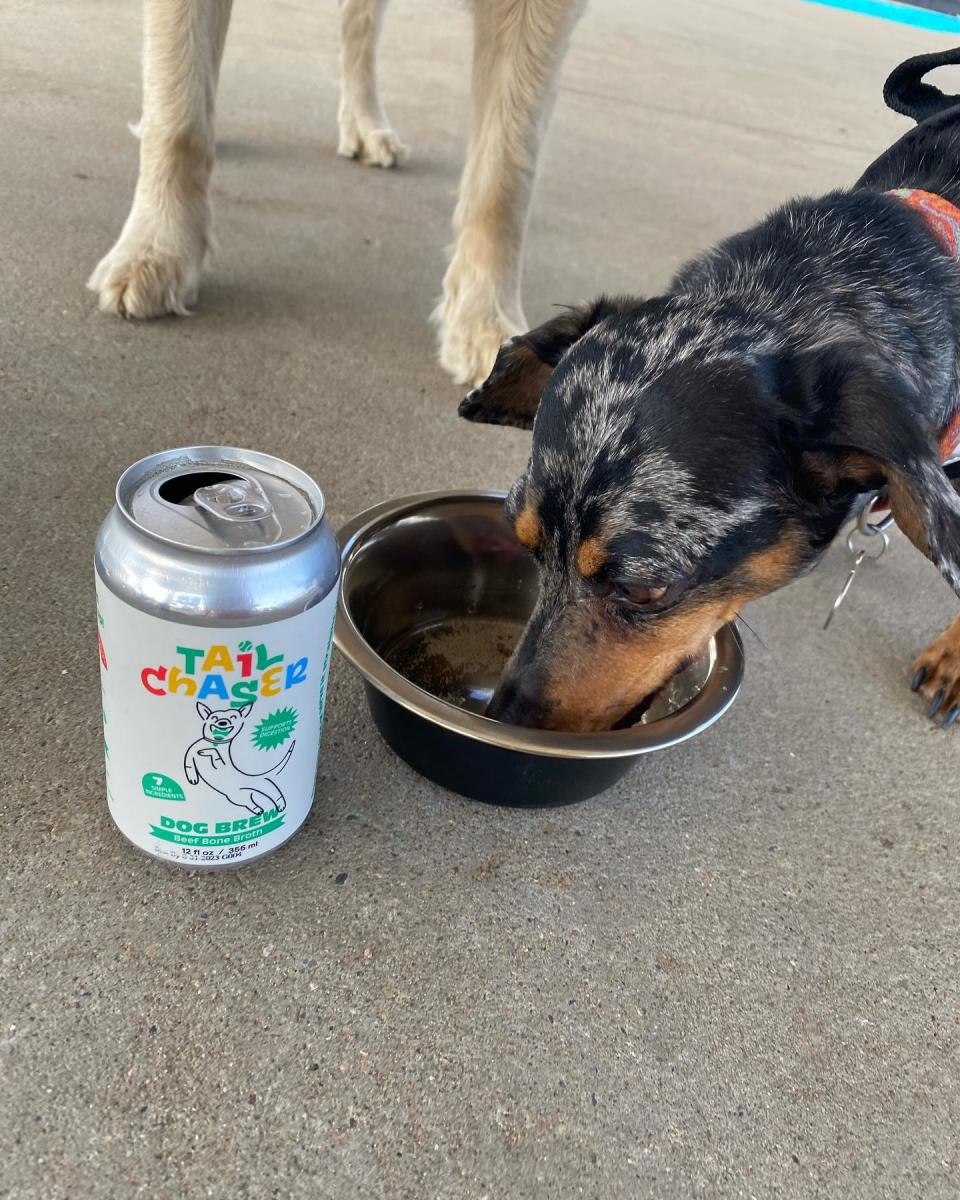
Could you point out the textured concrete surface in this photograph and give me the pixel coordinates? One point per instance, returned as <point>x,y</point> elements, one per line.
<point>734,975</point>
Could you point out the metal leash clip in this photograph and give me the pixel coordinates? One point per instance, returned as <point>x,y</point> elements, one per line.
<point>872,539</point>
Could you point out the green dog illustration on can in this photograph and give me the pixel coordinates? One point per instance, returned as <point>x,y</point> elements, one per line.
<point>210,761</point>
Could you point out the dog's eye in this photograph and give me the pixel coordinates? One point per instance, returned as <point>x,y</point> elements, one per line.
<point>644,595</point>
<point>650,597</point>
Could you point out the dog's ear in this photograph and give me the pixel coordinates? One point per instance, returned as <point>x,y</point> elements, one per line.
<point>245,710</point>
<point>203,710</point>
<point>511,393</point>
<point>864,430</point>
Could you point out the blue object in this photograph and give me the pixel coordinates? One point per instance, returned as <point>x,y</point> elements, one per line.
<point>889,10</point>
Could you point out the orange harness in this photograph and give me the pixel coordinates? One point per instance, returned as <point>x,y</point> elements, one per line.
<point>943,220</point>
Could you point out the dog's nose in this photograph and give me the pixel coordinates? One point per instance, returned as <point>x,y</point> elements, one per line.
<point>518,703</point>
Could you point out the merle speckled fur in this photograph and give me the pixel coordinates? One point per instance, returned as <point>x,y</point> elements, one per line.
<point>782,374</point>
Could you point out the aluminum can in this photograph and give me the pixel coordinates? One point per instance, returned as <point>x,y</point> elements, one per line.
<point>217,578</point>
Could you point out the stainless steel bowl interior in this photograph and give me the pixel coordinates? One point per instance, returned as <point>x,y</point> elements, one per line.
<point>435,593</point>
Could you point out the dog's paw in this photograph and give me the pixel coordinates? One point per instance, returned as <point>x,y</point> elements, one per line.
<point>139,279</point>
<point>936,676</point>
<point>472,325</point>
<point>377,147</point>
<point>468,350</point>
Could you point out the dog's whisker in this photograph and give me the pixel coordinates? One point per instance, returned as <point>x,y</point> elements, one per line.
<point>746,624</point>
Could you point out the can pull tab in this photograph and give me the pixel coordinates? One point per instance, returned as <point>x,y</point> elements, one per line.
<point>241,511</point>
<point>235,500</point>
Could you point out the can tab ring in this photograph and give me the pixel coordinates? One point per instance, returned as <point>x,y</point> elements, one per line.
<point>237,500</point>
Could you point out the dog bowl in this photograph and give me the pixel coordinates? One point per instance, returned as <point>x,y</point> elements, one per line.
<point>435,593</point>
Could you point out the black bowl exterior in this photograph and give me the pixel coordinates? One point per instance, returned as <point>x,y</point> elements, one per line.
<point>481,771</point>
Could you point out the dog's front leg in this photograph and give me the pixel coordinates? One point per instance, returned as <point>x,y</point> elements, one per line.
<point>365,131</point>
<point>154,268</point>
<point>519,45</point>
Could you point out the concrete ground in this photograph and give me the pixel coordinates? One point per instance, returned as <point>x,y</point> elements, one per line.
<point>736,974</point>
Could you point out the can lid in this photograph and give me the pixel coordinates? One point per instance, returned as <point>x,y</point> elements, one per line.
<point>220,499</point>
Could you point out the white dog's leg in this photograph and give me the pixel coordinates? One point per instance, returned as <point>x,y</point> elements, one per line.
<point>154,268</point>
<point>519,45</point>
<point>365,132</point>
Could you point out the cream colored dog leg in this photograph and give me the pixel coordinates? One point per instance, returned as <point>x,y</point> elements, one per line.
<point>519,45</point>
<point>154,268</point>
<point>365,132</point>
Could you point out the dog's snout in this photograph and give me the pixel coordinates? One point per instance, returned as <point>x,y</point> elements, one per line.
<point>518,702</point>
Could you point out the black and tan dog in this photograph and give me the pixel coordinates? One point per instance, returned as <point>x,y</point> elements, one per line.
<point>695,451</point>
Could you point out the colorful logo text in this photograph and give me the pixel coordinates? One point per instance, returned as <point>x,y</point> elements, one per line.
<point>239,677</point>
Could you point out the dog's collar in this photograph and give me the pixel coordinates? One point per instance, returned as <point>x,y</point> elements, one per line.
<point>943,220</point>
<point>950,440</point>
<point>940,216</point>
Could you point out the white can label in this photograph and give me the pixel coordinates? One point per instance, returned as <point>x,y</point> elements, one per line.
<point>211,736</point>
